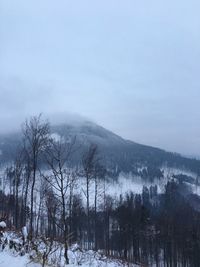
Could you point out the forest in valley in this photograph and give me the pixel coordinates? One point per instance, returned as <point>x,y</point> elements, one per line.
<point>57,201</point>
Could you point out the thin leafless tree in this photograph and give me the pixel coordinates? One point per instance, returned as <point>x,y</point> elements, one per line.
<point>61,178</point>
<point>35,138</point>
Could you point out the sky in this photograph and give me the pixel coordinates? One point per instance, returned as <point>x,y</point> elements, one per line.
<point>131,66</point>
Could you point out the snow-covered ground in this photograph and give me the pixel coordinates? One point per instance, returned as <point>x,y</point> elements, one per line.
<point>15,256</point>
<point>9,260</point>
<point>89,259</point>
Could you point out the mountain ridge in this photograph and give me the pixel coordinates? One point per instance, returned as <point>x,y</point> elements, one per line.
<point>117,153</point>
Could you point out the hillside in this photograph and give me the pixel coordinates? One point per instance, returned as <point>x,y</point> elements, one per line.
<point>116,153</point>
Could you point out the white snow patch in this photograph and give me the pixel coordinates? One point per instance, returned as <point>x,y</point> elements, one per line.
<point>86,259</point>
<point>2,224</point>
<point>56,137</point>
<point>169,172</point>
<point>24,233</point>
<point>127,183</point>
<point>8,260</point>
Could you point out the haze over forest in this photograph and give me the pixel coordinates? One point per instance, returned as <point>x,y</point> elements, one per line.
<point>99,133</point>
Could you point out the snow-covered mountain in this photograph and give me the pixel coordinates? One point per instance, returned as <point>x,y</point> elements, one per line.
<point>117,154</point>
<point>137,184</point>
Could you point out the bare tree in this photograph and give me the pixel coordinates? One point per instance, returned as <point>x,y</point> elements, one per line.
<point>61,179</point>
<point>52,205</point>
<point>99,177</point>
<point>89,163</point>
<point>35,137</point>
<point>26,186</point>
<point>18,170</point>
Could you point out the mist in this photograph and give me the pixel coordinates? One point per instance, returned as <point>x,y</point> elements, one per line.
<point>132,68</point>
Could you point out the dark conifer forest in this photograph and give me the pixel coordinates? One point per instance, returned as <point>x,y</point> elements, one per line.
<point>40,192</point>
<point>99,133</point>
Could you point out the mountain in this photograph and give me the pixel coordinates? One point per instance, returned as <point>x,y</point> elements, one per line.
<point>122,155</point>
<point>117,154</point>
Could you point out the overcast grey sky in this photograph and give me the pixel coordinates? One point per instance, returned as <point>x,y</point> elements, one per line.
<point>131,66</point>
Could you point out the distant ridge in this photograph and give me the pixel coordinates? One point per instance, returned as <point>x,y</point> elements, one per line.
<point>118,154</point>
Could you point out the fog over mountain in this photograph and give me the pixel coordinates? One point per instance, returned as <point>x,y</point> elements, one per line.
<point>99,133</point>
<point>132,67</point>
<point>117,154</point>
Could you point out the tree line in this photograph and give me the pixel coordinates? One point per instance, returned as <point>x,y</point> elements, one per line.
<point>53,198</point>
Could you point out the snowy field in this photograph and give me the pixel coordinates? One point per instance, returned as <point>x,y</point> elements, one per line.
<point>15,256</point>
<point>9,260</point>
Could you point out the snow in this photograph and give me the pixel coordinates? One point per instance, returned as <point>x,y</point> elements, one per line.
<point>56,137</point>
<point>2,224</point>
<point>127,183</point>
<point>10,257</point>
<point>169,172</point>
<point>9,260</point>
<point>24,233</point>
<point>124,184</point>
<point>89,260</point>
